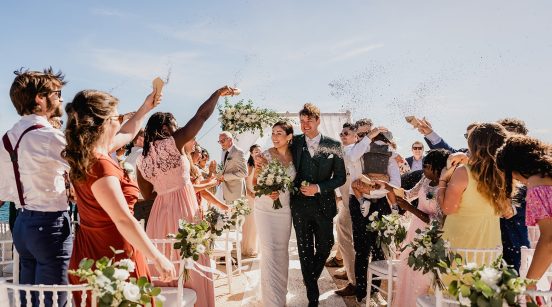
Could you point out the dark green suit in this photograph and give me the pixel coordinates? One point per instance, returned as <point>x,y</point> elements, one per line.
<point>313,216</point>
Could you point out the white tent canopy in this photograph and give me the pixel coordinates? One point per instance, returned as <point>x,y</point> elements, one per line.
<point>330,125</point>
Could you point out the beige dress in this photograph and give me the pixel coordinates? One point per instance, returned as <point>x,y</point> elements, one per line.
<point>250,239</point>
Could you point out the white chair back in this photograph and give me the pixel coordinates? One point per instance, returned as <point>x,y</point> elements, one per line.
<point>480,256</point>
<point>544,298</point>
<point>6,259</point>
<point>534,235</point>
<point>526,259</point>
<point>184,297</point>
<point>12,294</point>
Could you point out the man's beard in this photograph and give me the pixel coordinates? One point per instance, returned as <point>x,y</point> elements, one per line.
<point>56,110</point>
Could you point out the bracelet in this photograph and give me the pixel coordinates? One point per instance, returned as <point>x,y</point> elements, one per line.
<point>443,181</point>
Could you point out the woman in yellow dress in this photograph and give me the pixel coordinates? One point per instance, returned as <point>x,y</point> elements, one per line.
<point>470,194</point>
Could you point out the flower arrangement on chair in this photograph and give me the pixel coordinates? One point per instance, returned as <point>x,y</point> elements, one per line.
<point>192,241</point>
<point>391,233</point>
<point>112,285</point>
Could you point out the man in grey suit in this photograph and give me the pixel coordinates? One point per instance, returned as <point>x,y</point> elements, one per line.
<point>234,168</point>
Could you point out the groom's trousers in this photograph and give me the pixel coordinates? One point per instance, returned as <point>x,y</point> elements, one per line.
<point>365,241</point>
<point>315,240</point>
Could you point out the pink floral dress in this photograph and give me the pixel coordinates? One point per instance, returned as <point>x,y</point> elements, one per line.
<point>539,204</point>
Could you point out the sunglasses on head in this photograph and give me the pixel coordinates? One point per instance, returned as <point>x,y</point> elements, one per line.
<point>417,148</point>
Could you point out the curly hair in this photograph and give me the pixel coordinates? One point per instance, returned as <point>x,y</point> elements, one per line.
<point>310,110</point>
<point>483,142</point>
<point>154,129</point>
<point>514,125</point>
<point>28,84</point>
<point>86,114</point>
<point>526,155</point>
<point>436,159</point>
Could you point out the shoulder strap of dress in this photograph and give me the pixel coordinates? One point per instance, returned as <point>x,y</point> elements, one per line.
<point>15,159</point>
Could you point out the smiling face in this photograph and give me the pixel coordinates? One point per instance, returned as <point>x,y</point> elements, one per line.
<point>309,125</point>
<point>347,136</point>
<point>279,137</point>
<point>225,141</point>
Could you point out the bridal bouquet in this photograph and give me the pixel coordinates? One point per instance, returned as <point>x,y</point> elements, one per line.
<point>488,285</point>
<point>110,283</point>
<point>242,117</point>
<point>218,221</point>
<point>391,233</point>
<point>273,178</point>
<point>192,241</point>
<point>429,253</point>
<point>240,208</point>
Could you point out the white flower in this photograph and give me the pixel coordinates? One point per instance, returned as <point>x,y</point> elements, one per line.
<point>161,298</point>
<point>269,181</point>
<point>220,224</point>
<point>131,292</point>
<point>121,274</point>
<point>102,281</point>
<point>129,264</point>
<point>471,265</point>
<point>420,251</point>
<point>200,248</point>
<point>278,179</point>
<point>490,276</point>
<point>464,301</point>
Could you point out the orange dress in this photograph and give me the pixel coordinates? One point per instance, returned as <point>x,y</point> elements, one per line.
<point>97,232</point>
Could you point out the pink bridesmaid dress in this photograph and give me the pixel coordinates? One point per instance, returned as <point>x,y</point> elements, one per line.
<point>169,173</point>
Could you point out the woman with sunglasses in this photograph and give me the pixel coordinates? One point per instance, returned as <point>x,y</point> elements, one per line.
<point>105,193</point>
<point>165,168</point>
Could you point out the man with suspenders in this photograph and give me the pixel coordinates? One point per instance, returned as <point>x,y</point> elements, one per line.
<point>32,177</point>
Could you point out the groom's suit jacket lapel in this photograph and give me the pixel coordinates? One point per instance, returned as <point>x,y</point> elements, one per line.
<point>300,146</point>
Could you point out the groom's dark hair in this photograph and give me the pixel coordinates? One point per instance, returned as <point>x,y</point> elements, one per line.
<point>310,110</point>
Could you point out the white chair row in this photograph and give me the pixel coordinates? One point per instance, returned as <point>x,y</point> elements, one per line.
<point>223,247</point>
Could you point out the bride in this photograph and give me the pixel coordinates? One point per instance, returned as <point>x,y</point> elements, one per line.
<point>274,225</point>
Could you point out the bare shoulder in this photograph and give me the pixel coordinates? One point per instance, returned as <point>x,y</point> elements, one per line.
<point>460,175</point>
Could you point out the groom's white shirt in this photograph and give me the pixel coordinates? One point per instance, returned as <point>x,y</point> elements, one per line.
<point>312,144</point>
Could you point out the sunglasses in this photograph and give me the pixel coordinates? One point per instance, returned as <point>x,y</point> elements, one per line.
<point>466,135</point>
<point>346,133</point>
<point>58,93</point>
<point>362,134</point>
<point>120,118</point>
<point>417,148</point>
<point>222,141</point>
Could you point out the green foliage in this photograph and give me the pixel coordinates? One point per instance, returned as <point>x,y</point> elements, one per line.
<point>242,117</point>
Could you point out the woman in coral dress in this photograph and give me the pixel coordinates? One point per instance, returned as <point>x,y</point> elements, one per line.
<point>165,169</point>
<point>105,193</point>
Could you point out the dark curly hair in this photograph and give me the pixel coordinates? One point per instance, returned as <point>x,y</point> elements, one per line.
<point>154,129</point>
<point>86,115</point>
<point>513,125</point>
<point>436,159</point>
<point>483,142</point>
<point>250,161</point>
<point>526,155</point>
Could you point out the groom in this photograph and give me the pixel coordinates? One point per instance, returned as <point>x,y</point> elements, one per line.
<point>319,162</point>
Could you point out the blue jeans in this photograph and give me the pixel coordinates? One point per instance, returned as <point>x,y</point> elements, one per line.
<point>44,243</point>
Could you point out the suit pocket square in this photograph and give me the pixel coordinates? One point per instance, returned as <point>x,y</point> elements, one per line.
<point>330,156</point>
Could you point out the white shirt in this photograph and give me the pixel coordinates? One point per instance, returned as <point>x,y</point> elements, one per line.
<point>417,164</point>
<point>433,137</point>
<point>312,144</point>
<point>353,162</point>
<point>40,165</point>
<point>135,152</point>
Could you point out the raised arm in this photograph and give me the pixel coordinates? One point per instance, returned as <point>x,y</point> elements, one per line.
<point>184,134</point>
<point>146,188</point>
<point>108,193</point>
<point>130,129</point>
<point>450,190</point>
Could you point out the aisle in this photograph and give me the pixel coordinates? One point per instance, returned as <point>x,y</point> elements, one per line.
<point>296,290</point>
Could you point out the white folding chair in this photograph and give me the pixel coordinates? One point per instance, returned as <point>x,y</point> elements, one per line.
<point>175,296</point>
<point>480,256</point>
<point>534,235</point>
<point>6,260</point>
<point>383,270</point>
<point>223,248</point>
<point>526,259</point>
<point>543,297</point>
<point>10,294</point>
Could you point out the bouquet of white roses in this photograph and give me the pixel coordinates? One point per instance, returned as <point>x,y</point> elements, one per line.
<point>192,241</point>
<point>240,208</point>
<point>218,220</point>
<point>273,178</point>
<point>429,253</point>
<point>391,233</point>
<point>112,286</point>
<point>242,117</point>
<point>488,285</point>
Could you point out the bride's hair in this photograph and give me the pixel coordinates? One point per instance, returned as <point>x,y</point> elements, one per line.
<point>286,126</point>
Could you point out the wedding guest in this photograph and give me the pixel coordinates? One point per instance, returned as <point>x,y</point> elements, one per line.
<point>471,194</point>
<point>234,168</point>
<point>415,161</point>
<point>164,167</point>
<point>435,141</point>
<point>343,225</point>
<point>208,168</point>
<point>105,193</point>
<point>250,242</point>
<point>363,127</point>
<point>513,230</point>
<point>529,161</point>
<point>34,181</point>
<point>412,284</point>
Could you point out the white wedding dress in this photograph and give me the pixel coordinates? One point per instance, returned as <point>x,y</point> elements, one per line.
<point>274,230</point>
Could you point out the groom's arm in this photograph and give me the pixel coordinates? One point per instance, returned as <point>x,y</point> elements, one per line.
<point>339,174</point>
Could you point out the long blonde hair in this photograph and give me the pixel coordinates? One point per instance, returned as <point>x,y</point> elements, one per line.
<point>483,142</point>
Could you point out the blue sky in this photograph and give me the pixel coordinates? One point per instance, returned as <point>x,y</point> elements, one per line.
<point>453,62</point>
